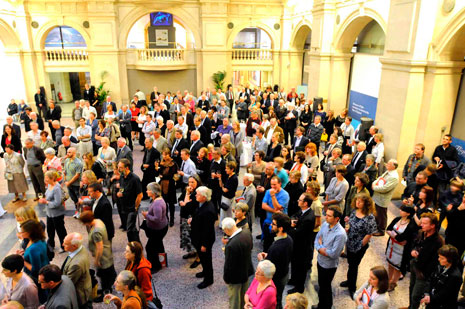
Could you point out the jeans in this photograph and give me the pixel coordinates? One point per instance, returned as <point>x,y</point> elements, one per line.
<point>325,294</point>
<point>354,259</point>
<point>56,224</point>
<point>417,287</point>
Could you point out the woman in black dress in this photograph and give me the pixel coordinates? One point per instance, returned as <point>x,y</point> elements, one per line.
<point>306,117</point>
<point>166,169</point>
<point>274,148</point>
<point>286,155</point>
<point>329,123</point>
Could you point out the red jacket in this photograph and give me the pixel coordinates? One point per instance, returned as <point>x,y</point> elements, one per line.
<point>143,273</point>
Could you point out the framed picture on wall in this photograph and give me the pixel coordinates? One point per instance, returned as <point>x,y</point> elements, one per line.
<point>161,37</point>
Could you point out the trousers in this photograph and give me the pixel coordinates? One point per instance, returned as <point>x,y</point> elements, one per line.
<point>56,224</point>
<point>325,294</point>
<point>354,259</point>
<point>236,294</point>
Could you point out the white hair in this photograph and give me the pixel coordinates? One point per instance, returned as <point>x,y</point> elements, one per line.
<point>205,192</point>
<point>249,176</point>
<point>50,151</point>
<point>170,121</point>
<point>159,118</point>
<point>228,223</point>
<point>268,268</point>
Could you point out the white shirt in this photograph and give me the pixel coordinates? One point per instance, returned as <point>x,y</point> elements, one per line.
<point>270,134</point>
<point>35,137</point>
<point>87,110</point>
<point>87,130</point>
<point>96,202</point>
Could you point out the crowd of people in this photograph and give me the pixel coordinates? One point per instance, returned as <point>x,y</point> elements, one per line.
<point>314,185</point>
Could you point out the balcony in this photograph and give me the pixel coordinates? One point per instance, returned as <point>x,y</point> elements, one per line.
<point>160,59</point>
<point>59,59</point>
<point>252,57</point>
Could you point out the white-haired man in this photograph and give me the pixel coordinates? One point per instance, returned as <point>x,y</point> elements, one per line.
<point>76,266</point>
<point>203,234</point>
<point>248,196</point>
<point>196,144</point>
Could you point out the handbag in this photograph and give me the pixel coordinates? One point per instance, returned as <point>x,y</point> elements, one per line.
<point>324,137</point>
<point>156,300</point>
<point>225,203</point>
<point>8,176</point>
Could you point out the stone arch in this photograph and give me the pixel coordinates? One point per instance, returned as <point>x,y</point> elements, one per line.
<point>39,41</point>
<point>450,42</point>
<point>8,37</point>
<point>271,33</point>
<point>299,35</point>
<point>183,17</point>
<point>352,26</point>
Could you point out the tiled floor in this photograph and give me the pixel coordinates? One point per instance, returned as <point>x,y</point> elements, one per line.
<point>176,285</point>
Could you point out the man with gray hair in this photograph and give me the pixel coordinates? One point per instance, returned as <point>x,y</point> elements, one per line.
<point>238,262</point>
<point>248,196</point>
<point>123,151</point>
<point>358,160</point>
<point>170,133</point>
<point>76,266</point>
<point>383,188</point>
<point>58,132</point>
<point>35,157</point>
<point>203,234</point>
<point>34,134</point>
<point>196,144</point>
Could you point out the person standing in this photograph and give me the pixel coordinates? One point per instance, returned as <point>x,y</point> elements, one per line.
<point>124,118</point>
<point>41,103</point>
<point>124,151</point>
<point>203,234</point>
<point>279,253</point>
<point>35,157</point>
<point>446,158</point>
<point>415,162</point>
<point>130,196</point>
<point>329,243</point>
<point>62,293</point>
<point>72,171</point>
<point>14,173</point>
<point>238,262</point>
<point>100,248</point>
<point>101,207</point>
<point>383,188</point>
<point>84,135</point>
<point>302,227</point>
<point>229,188</point>
<point>151,155</point>
<point>76,267</point>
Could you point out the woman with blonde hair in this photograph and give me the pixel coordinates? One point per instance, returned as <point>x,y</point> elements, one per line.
<point>296,301</point>
<point>96,166</point>
<point>378,152</point>
<point>107,155</point>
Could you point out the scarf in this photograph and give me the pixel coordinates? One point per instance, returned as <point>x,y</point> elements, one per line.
<point>410,163</point>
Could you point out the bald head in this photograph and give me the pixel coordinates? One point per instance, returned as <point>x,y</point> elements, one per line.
<point>72,242</point>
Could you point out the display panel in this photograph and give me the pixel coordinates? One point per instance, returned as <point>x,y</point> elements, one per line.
<point>161,19</point>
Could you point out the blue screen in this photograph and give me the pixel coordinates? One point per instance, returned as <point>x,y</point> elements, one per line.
<point>161,19</point>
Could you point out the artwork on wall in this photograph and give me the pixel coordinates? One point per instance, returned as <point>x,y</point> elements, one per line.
<point>161,19</point>
<point>161,37</point>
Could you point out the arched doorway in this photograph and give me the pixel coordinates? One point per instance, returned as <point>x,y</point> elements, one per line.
<point>252,58</point>
<point>301,44</point>
<point>66,61</point>
<point>366,38</point>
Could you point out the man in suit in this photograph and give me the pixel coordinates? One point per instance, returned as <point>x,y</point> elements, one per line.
<point>188,118</point>
<point>61,290</point>
<point>290,123</point>
<point>237,262</point>
<point>170,133</point>
<point>196,144</point>
<point>179,144</point>
<point>204,137</point>
<point>154,95</point>
<point>350,174</point>
<point>329,150</point>
<point>16,128</point>
<point>203,234</point>
<point>102,208</point>
<point>230,97</point>
<point>159,142</point>
<point>124,118</point>
<point>148,165</point>
<point>249,196</point>
<point>301,229</point>
<point>124,151</point>
<point>300,141</point>
<point>54,113</point>
<point>105,105</point>
<point>89,92</point>
<point>32,118</point>
<point>35,157</point>
<point>272,128</point>
<point>383,188</point>
<point>41,103</point>
<point>76,266</point>
<point>370,142</point>
<point>359,157</point>
<point>203,103</point>
<point>206,123</point>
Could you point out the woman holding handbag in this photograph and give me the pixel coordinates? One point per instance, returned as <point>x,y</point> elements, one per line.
<point>14,173</point>
<point>166,170</point>
<point>157,225</point>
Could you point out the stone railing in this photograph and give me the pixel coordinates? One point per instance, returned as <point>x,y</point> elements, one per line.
<point>66,55</point>
<point>252,55</point>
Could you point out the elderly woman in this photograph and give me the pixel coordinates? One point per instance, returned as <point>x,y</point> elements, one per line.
<point>370,170</point>
<point>337,189</point>
<point>141,268</point>
<point>378,152</point>
<point>262,291</point>
<point>52,162</point>
<point>54,209</point>
<point>240,213</point>
<point>166,170</point>
<point>360,186</point>
<point>299,166</point>
<point>296,301</point>
<point>126,283</point>
<point>19,286</point>
<point>157,225</point>
<point>257,167</point>
<point>360,226</point>
<point>376,287</point>
<point>107,155</point>
<point>115,132</point>
<point>14,173</point>
<point>237,137</point>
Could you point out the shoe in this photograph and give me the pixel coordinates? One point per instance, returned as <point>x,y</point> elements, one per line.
<point>61,251</point>
<point>314,306</point>
<point>294,290</point>
<point>171,223</point>
<point>188,255</point>
<point>36,199</point>
<point>344,284</point>
<point>343,255</point>
<point>351,294</point>
<point>195,264</point>
<point>76,215</point>
<point>15,200</point>
<point>199,275</point>
<point>204,284</point>
<point>258,237</point>
<point>24,199</point>
<point>378,234</point>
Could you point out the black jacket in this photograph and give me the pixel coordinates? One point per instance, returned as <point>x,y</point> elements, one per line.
<point>27,123</point>
<point>303,142</point>
<point>16,128</point>
<point>125,153</point>
<point>280,253</point>
<point>238,258</point>
<point>39,153</point>
<point>203,226</point>
<point>194,150</point>
<point>104,212</point>
<point>181,145</point>
<point>15,141</point>
<point>360,162</point>
<point>412,189</point>
<point>303,246</point>
<point>427,259</point>
<point>295,190</point>
<point>150,156</point>
<point>443,288</point>
<point>55,114</point>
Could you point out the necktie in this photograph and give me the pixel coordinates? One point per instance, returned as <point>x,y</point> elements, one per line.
<point>64,263</point>
<point>356,158</point>
<point>174,147</point>
<point>119,152</point>
<point>192,146</point>
<point>182,166</point>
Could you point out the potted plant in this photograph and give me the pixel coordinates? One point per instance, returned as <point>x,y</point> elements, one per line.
<point>218,79</point>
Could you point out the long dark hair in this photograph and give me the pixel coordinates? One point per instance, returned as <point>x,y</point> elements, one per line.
<point>383,279</point>
<point>13,133</point>
<point>137,249</point>
<point>34,229</point>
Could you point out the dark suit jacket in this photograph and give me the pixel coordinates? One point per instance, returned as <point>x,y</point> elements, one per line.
<point>195,150</point>
<point>125,153</point>
<point>181,145</point>
<point>291,124</point>
<point>104,212</point>
<point>204,137</point>
<point>303,246</point>
<point>350,175</point>
<point>40,99</point>
<point>152,96</point>
<point>203,226</point>
<point>372,174</point>
<point>15,141</point>
<point>150,156</point>
<point>303,142</point>
<point>27,123</point>
<point>369,143</point>
<point>40,155</point>
<point>238,258</point>
<point>55,114</point>
<point>189,120</point>
<point>360,162</point>
<point>16,128</point>
<point>205,105</point>
<point>89,94</point>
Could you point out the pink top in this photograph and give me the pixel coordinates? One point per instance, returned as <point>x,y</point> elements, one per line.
<point>266,299</point>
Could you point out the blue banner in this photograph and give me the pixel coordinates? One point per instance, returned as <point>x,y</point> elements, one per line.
<point>460,145</point>
<point>361,105</point>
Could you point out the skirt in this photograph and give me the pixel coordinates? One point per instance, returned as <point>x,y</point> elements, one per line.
<point>18,184</point>
<point>186,241</point>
